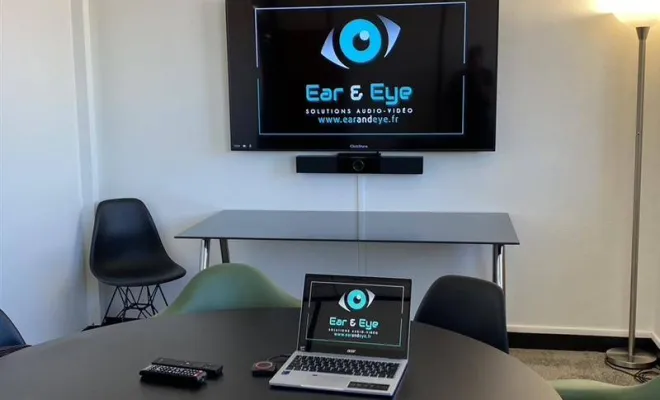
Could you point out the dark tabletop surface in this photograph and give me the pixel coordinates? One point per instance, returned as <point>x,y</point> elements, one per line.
<point>370,226</point>
<point>104,363</point>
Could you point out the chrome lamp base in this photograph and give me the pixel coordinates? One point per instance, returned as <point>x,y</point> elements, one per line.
<point>639,360</point>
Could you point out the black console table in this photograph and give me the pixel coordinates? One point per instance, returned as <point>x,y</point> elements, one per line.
<point>494,229</point>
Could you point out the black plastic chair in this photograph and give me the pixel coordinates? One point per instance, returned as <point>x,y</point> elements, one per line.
<point>9,335</point>
<point>127,253</point>
<point>471,307</point>
<point>10,338</point>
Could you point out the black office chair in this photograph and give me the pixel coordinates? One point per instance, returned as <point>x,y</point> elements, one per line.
<point>10,338</point>
<point>127,253</point>
<point>9,335</point>
<point>471,307</point>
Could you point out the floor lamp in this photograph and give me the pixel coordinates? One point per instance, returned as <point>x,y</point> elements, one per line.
<point>641,14</point>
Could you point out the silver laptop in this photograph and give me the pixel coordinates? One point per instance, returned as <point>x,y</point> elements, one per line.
<point>353,336</point>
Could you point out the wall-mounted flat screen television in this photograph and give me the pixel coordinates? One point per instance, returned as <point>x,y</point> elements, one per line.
<point>362,75</point>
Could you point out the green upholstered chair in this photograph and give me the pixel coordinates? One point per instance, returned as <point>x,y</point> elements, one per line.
<point>590,390</point>
<point>230,287</point>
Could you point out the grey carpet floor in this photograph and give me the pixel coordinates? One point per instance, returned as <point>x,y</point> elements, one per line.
<point>553,365</point>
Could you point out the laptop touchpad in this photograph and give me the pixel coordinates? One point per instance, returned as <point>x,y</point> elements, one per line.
<point>327,381</point>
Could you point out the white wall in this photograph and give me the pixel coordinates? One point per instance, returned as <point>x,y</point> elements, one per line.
<point>563,168</point>
<point>42,284</point>
<point>656,331</point>
<point>653,183</point>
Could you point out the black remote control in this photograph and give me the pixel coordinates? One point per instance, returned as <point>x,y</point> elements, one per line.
<point>173,376</point>
<point>213,371</point>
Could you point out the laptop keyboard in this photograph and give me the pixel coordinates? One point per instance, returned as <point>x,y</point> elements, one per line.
<point>344,366</point>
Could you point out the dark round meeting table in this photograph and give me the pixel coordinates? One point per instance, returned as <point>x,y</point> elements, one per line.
<point>104,363</point>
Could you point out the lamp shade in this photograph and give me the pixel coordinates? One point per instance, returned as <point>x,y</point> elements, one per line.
<point>637,13</point>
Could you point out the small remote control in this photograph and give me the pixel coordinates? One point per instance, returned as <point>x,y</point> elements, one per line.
<point>213,371</point>
<point>173,376</point>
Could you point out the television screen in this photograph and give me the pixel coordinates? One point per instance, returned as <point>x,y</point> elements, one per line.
<point>362,75</point>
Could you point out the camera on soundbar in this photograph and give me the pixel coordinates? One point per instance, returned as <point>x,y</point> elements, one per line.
<point>360,163</point>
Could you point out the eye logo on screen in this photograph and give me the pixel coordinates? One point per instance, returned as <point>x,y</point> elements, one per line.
<point>356,300</point>
<point>360,41</point>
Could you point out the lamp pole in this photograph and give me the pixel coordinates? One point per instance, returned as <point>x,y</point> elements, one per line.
<point>631,357</point>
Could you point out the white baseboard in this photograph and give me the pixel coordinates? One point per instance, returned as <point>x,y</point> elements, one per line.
<point>656,339</point>
<point>560,330</point>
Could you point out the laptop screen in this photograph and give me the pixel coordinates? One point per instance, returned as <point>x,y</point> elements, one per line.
<point>355,315</point>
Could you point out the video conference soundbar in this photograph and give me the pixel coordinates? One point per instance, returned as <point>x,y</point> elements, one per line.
<point>360,163</point>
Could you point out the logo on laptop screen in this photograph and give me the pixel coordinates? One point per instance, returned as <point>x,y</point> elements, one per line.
<point>356,300</point>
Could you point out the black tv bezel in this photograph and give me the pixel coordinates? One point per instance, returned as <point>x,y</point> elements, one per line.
<point>242,75</point>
